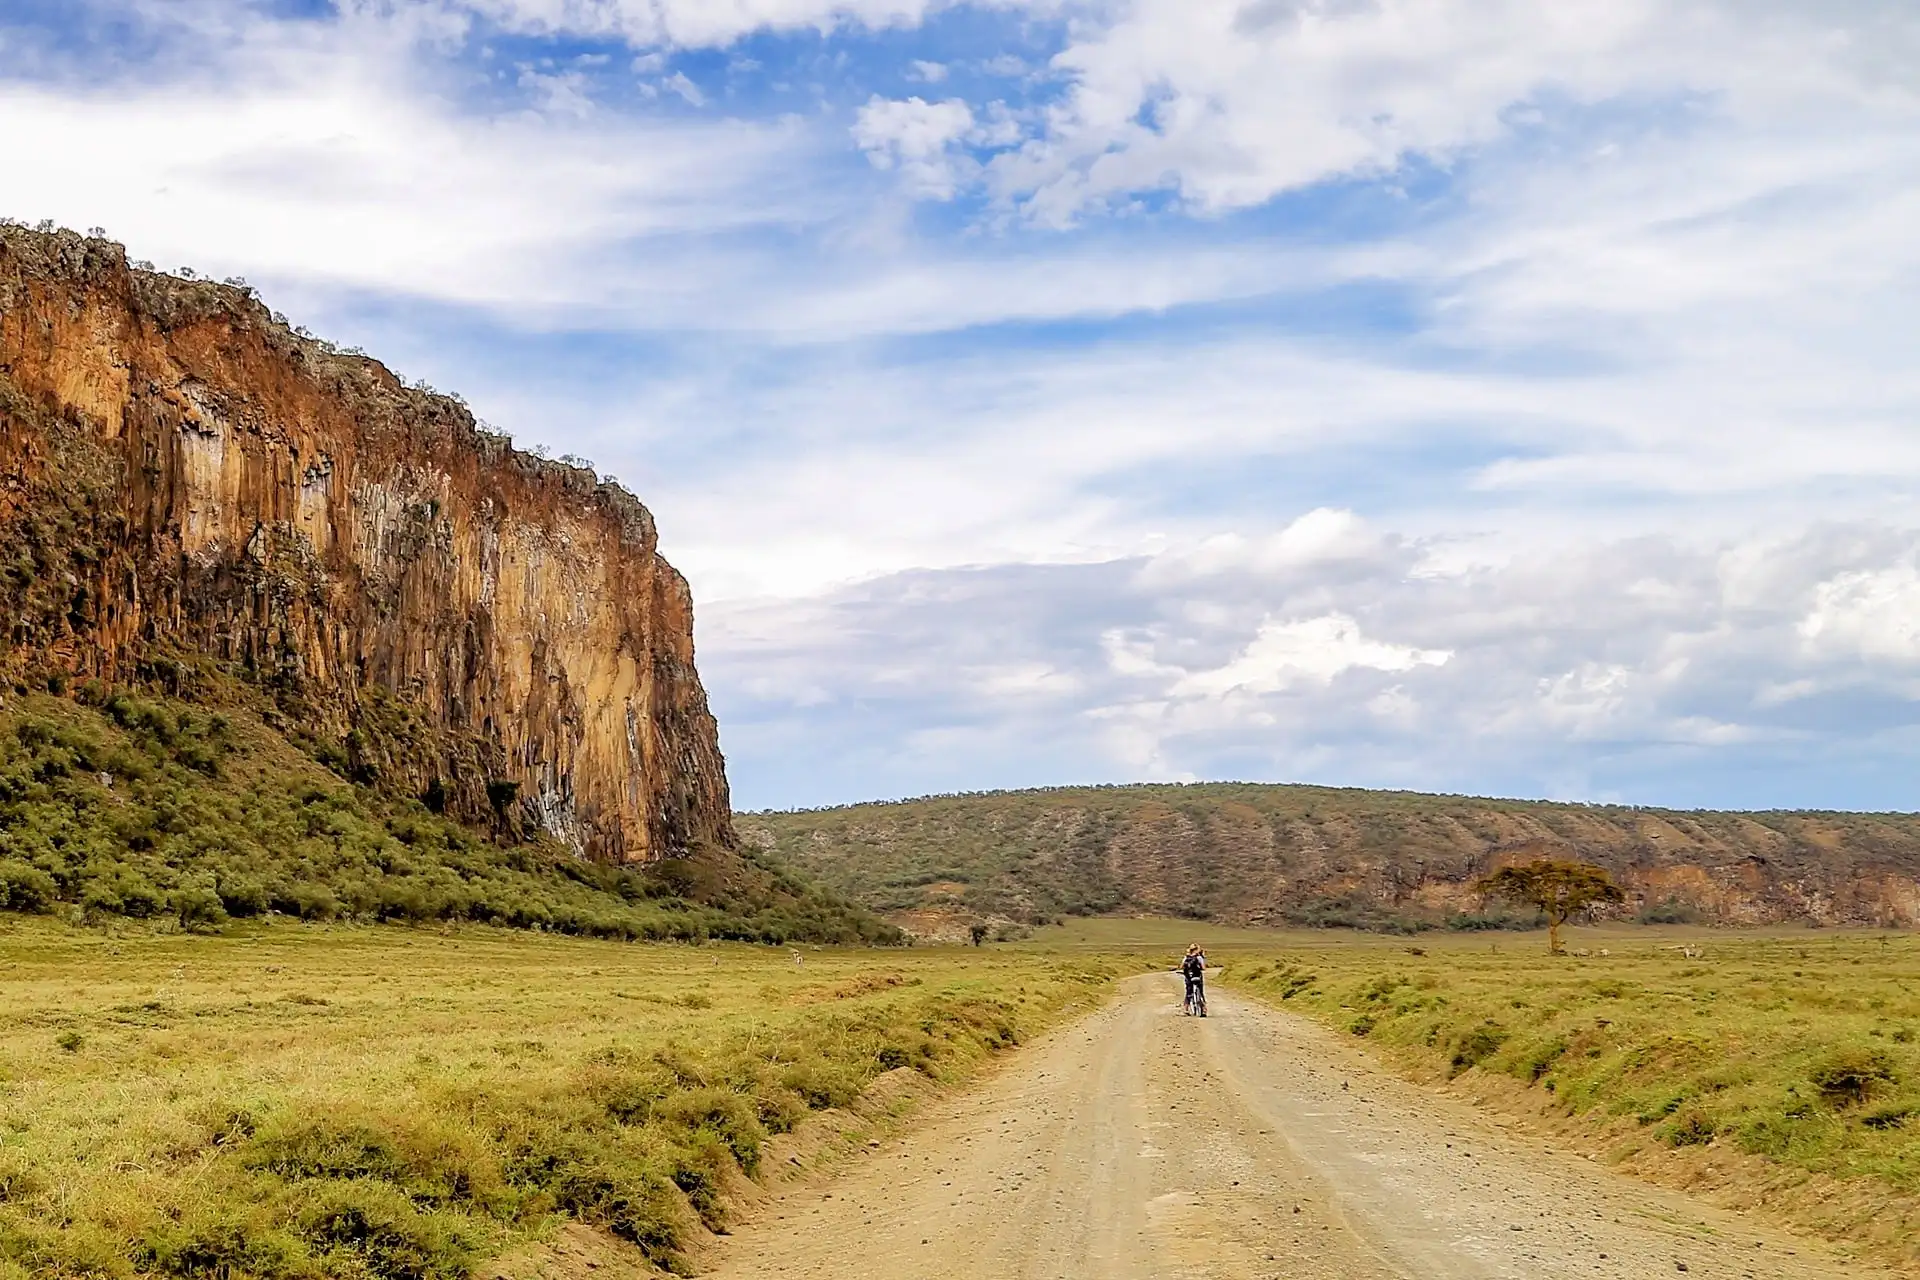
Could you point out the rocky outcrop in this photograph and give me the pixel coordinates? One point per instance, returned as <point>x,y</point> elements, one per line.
<point>190,491</point>
<point>1294,855</point>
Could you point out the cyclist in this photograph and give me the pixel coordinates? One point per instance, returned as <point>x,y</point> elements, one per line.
<point>1194,969</point>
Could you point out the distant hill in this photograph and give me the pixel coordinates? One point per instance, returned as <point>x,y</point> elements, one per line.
<point>1271,854</point>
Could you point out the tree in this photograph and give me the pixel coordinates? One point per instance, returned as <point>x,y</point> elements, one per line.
<point>1558,888</point>
<point>978,932</point>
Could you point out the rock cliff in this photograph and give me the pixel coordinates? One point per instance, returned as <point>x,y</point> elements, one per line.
<point>190,491</point>
<point>1293,855</point>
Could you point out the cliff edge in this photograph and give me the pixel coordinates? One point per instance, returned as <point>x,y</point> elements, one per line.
<point>190,490</point>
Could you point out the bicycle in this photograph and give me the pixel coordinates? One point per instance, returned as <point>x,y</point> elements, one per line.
<point>1195,1004</point>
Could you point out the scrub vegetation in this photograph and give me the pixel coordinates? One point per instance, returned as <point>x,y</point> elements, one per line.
<point>1798,1051</point>
<point>305,1100</point>
<point>116,803</point>
<point>1390,862</point>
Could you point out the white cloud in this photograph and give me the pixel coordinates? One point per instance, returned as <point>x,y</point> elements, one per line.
<point>1230,103</point>
<point>1587,701</point>
<point>329,160</point>
<point>1322,535</point>
<point>698,23</point>
<point>1284,654</point>
<point>678,83</point>
<point>1627,385</point>
<point>562,94</point>
<point>1871,613</point>
<point>1572,676</point>
<point>915,136</point>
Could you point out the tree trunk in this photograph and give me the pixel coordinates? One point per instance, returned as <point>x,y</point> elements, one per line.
<point>1553,934</point>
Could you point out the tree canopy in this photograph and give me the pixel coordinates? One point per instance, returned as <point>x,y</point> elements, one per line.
<point>1559,889</point>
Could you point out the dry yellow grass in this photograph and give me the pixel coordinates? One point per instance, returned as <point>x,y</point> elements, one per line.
<point>1779,1069</point>
<point>325,1101</point>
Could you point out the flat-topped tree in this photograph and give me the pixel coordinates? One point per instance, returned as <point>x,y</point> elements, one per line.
<point>1559,889</point>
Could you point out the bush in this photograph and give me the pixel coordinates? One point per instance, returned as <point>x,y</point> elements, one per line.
<point>1476,1045</point>
<point>1672,911</point>
<point>171,830</point>
<point>1847,1076</point>
<point>1538,1059</point>
<point>1690,1128</point>
<point>198,908</point>
<point>26,888</point>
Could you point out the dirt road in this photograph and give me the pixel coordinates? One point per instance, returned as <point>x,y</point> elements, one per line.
<point>1139,1143</point>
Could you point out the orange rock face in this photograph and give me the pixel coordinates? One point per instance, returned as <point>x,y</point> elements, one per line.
<point>183,478</point>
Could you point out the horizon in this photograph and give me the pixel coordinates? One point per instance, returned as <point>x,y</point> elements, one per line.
<point>1316,786</point>
<point>1412,395</point>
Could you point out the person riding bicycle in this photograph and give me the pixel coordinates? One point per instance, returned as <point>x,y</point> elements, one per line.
<point>1194,969</point>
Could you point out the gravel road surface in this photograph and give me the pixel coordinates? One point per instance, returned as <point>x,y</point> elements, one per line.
<point>1140,1143</point>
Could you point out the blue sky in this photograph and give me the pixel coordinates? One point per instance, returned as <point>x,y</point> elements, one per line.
<point>1449,394</point>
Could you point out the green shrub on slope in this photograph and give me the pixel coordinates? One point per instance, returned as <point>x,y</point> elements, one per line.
<point>153,808</point>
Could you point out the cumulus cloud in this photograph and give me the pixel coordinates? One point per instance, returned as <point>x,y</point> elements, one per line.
<point>1581,677</point>
<point>916,137</point>
<point>1870,613</point>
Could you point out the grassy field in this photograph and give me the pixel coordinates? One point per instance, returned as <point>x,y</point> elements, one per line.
<point>323,1100</point>
<point>312,1100</point>
<point>1786,1063</point>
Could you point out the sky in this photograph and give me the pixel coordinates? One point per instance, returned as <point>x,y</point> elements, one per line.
<point>1453,395</point>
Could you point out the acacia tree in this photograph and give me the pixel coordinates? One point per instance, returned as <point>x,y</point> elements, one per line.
<point>1558,888</point>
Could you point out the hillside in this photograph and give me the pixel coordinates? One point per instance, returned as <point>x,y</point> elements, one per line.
<point>1299,855</point>
<point>117,804</point>
<point>280,633</point>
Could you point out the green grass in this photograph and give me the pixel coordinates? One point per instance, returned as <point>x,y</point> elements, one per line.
<point>1153,935</point>
<point>1799,1049</point>
<point>114,803</point>
<point>302,1100</point>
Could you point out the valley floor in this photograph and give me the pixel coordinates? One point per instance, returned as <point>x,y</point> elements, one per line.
<point>1251,1144</point>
